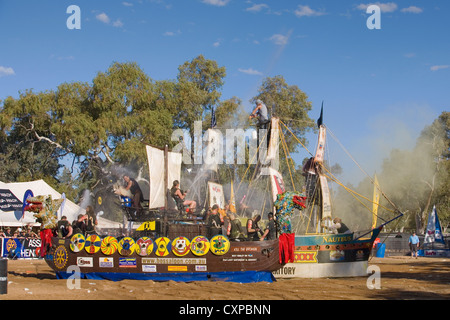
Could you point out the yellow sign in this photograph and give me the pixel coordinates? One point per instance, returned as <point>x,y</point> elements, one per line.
<point>147,226</point>
<point>177,268</point>
<point>305,256</point>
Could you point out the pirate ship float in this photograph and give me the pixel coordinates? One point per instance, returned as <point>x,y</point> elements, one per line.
<point>168,246</point>
<point>173,248</point>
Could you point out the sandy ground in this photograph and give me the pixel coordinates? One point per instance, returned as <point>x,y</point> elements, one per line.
<point>402,278</point>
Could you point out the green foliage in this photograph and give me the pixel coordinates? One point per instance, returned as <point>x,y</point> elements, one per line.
<point>108,122</point>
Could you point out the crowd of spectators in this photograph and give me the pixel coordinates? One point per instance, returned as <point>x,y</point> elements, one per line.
<point>19,232</point>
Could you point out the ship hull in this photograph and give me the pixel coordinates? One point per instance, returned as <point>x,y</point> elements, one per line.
<point>322,256</point>
<point>247,261</point>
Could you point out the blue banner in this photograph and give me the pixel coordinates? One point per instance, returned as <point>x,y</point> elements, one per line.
<point>23,248</point>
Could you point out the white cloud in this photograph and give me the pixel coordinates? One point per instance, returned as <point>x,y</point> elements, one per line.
<point>412,9</point>
<point>436,68</point>
<point>257,7</point>
<point>217,44</point>
<point>118,23</point>
<point>279,39</point>
<point>127,4</point>
<point>251,72</point>
<point>172,33</point>
<point>306,11</point>
<point>384,7</point>
<point>103,17</point>
<point>218,3</point>
<point>6,71</point>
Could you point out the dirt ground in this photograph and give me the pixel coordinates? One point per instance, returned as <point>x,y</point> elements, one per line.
<point>401,278</point>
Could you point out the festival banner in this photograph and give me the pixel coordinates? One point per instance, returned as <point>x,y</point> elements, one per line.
<point>8,201</point>
<point>434,231</point>
<point>20,248</point>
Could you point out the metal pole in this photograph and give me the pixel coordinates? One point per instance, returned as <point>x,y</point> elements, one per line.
<point>3,276</point>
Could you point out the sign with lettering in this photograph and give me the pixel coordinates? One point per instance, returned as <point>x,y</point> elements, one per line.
<point>305,256</point>
<point>8,201</point>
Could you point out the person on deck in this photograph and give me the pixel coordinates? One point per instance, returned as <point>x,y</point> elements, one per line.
<point>180,197</point>
<point>91,221</point>
<point>253,229</point>
<point>261,112</point>
<point>136,191</point>
<point>337,227</point>
<point>64,228</point>
<point>263,121</point>
<point>234,228</point>
<point>270,232</point>
<point>79,225</point>
<point>214,222</point>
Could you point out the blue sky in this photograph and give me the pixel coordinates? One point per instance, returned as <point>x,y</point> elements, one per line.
<point>380,87</point>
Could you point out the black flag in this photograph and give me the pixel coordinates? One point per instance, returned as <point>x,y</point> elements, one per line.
<point>320,120</point>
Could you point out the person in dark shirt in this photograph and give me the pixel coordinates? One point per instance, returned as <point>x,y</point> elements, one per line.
<point>91,220</point>
<point>135,190</point>
<point>253,229</point>
<point>79,225</point>
<point>270,232</point>
<point>64,228</point>
<point>180,197</point>
<point>338,227</point>
<point>214,222</point>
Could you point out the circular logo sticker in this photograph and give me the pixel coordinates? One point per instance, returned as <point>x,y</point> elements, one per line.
<point>181,246</point>
<point>109,245</point>
<point>11,245</point>
<point>60,257</point>
<point>162,246</point>
<point>126,246</point>
<point>219,245</point>
<point>92,244</point>
<point>144,246</point>
<point>77,242</point>
<point>200,246</point>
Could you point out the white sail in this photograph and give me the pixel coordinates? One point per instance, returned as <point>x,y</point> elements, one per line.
<point>326,198</point>
<point>274,139</point>
<point>157,170</point>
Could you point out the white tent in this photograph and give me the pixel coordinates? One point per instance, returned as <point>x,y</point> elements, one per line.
<point>38,187</point>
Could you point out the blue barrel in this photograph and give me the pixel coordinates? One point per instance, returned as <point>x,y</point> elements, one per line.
<point>381,249</point>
